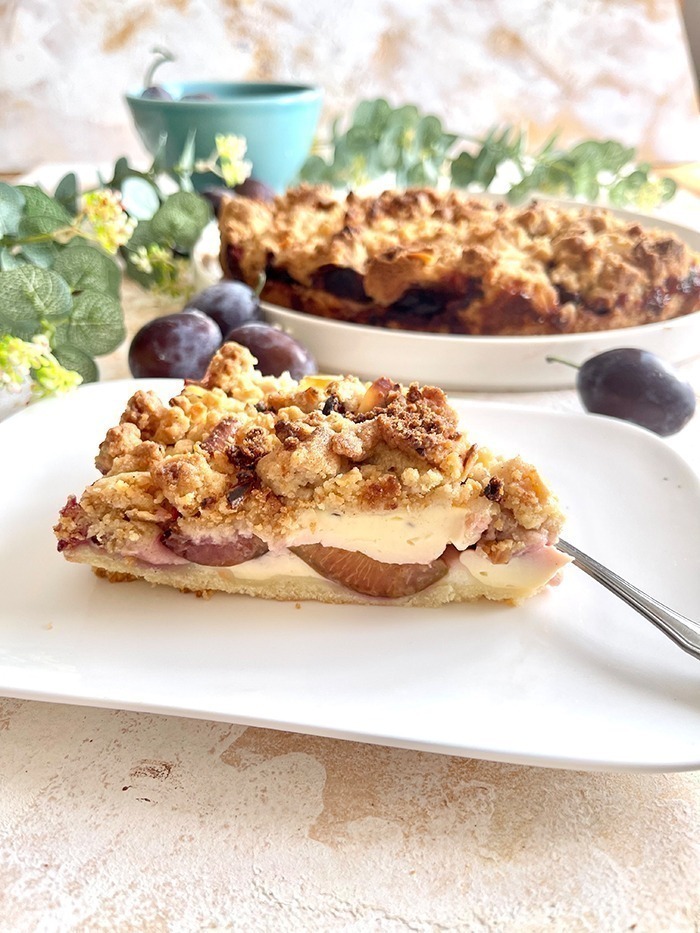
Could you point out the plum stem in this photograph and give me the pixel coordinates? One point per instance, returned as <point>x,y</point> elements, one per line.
<point>262,279</point>
<point>558,359</point>
<point>163,55</point>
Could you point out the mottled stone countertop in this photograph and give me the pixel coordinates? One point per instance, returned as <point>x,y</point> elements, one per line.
<point>113,820</point>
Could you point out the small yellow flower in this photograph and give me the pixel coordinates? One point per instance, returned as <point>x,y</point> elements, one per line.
<point>230,151</point>
<point>110,225</point>
<point>21,360</point>
<point>142,261</point>
<point>649,195</point>
<point>232,148</point>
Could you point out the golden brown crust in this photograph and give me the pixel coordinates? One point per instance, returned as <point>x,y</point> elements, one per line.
<point>448,262</point>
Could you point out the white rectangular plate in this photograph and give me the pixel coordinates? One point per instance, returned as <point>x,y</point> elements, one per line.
<point>573,678</point>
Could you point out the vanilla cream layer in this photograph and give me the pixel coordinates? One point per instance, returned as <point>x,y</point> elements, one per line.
<point>397,536</point>
<point>400,536</point>
<point>524,573</point>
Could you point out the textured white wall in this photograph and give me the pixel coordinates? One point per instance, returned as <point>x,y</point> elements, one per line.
<point>595,67</point>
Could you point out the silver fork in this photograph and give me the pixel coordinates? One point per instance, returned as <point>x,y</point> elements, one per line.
<point>678,628</point>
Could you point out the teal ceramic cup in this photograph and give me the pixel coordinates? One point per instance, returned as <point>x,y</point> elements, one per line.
<point>278,122</point>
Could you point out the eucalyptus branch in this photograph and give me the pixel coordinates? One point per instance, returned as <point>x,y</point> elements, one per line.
<point>409,148</point>
<point>58,236</point>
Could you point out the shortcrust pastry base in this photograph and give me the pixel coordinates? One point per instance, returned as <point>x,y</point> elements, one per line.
<point>204,581</point>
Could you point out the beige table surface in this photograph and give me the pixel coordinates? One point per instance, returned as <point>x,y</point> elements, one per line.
<point>115,820</point>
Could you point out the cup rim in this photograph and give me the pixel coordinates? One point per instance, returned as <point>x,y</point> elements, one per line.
<point>280,92</point>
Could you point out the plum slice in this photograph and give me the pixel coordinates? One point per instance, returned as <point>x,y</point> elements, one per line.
<point>370,577</point>
<point>341,282</point>
<point>211,553</point>
<point>424,302</point>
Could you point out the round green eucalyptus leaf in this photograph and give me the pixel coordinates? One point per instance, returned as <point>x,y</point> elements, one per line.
<point>59,334</point>
<point>635,180</point>
<point>560,178</point>
<point>11,207</point>
<point>29,295</point>
<point>485,168</point>
<point>428,132</point>
<point>139,198</point>
<point>180,220</point>
<point>446,141</point>
<point>314,170</point>
<point>345,165</point>
<point>585,182</point>
<point>43,252</point>
<point>38,203</point>
<point>67,192</point>
<point>364,113</point>
<point>590,153</point>
<point>462,170</point>
<point>96,323</point>
<point>616,156</point>
<point>519,192</point>
<point>372,115</point>
<point>389,148</point>
<point>618,194</point>
<point>10,259</point>
<point>359,141</point>
<point>84,267</point>
<point>405,117</point>
<point>424,173</point>
<point>121,171</point>
<point>667,188</point>
<point>71,357</point>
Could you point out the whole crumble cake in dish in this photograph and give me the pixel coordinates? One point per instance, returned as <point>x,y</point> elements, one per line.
<point>329,489</point>
<point>447,262</point>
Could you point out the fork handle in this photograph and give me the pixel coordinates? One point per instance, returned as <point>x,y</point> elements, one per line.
<point>678,628</point>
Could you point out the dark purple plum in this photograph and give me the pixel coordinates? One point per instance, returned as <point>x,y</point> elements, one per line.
<point>254,189</point>
<point>275,351</point>
<point>637,386</point>
<point>215,195</point>
<point>250,188</point>
<point>229,303</point>
<point>156,92</point>
<point>175,345</point>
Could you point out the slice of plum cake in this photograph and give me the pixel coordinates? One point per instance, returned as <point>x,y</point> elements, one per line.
<point>329,489</point>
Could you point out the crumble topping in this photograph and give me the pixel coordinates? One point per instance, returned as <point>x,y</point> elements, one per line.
<point>448,262</point>
<point>243,452</point>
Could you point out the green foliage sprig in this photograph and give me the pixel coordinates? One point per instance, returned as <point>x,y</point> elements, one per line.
<point>59,278</point>
<point>56,277</point>
<point>59,281</point>
<point>170,215</point>
<point>411,148</point>
<point>30,362</point>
